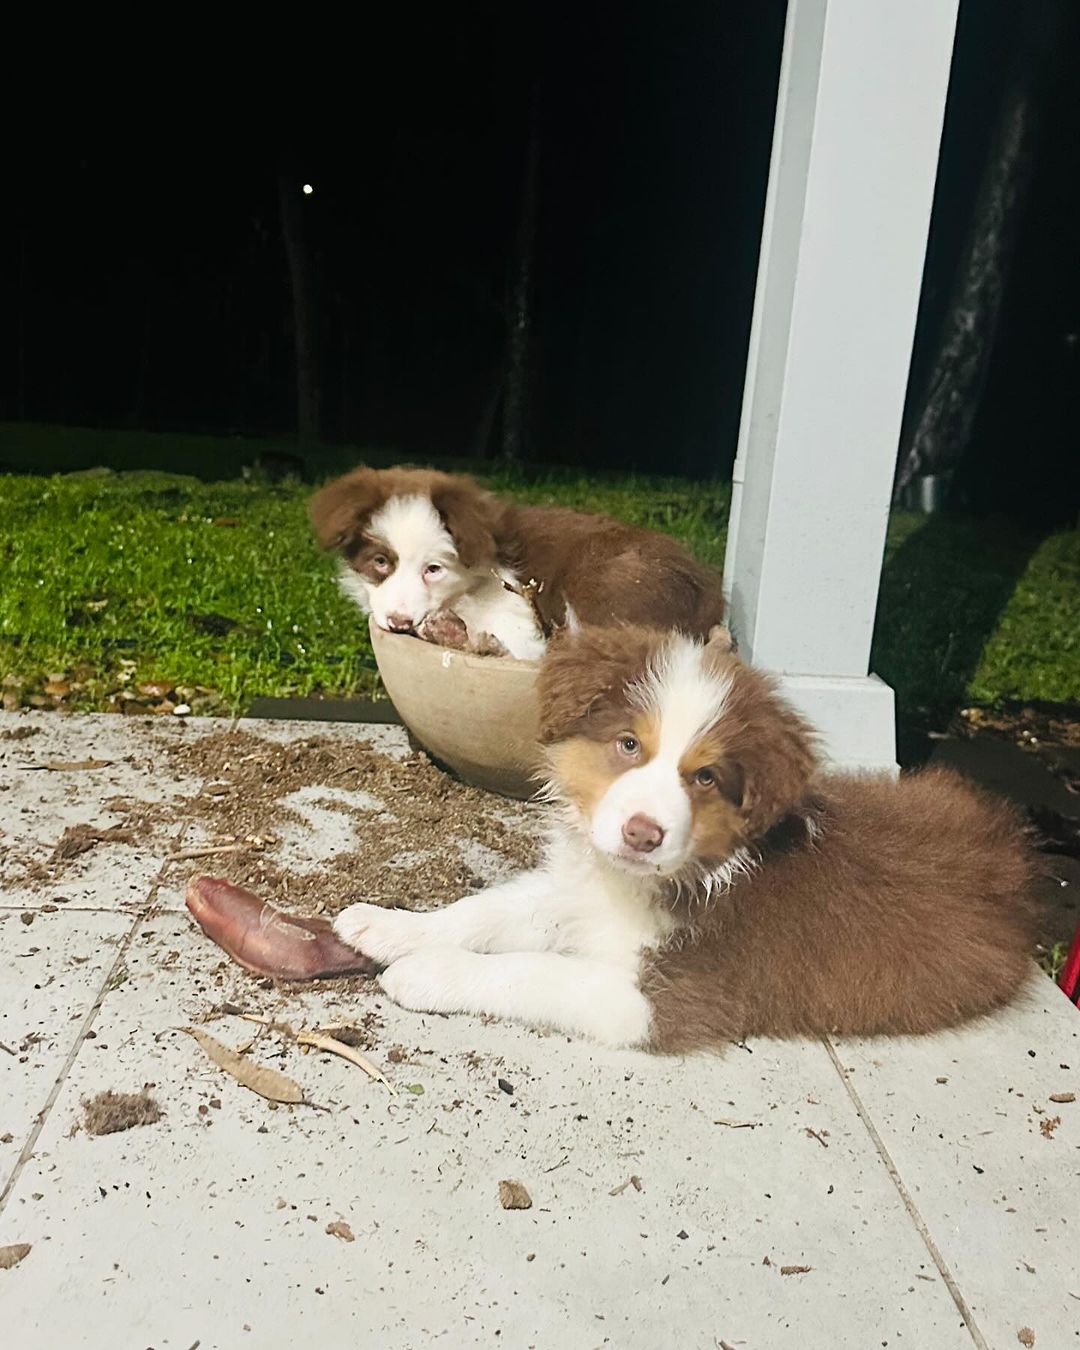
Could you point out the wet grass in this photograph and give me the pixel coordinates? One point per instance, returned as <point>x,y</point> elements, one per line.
<point>148,576</point>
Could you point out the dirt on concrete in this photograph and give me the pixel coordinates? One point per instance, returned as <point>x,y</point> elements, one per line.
<point>109,1112</point>
<point>408,835</point>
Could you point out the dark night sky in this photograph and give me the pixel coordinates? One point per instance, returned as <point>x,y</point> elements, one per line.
<point>149,287</point>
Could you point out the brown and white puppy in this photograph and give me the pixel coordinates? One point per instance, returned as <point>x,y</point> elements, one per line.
<point>415,543</point>
<point>704,884</point>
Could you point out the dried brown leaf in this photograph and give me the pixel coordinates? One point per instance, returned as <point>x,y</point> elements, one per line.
<point>12,1255</point>
<point>634,1181</point>
<point>268,1083</point>
<point>513,1195</point>
<point>1063,1097</point>
<point>340,1229</point>
<point>1026,1336</point>
<point>795,1270</point>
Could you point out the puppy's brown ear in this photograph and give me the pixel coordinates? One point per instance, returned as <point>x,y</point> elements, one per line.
<point>340,510</point>
<point>583,680</point>
<point>774,748</point>
<point>472,518</point>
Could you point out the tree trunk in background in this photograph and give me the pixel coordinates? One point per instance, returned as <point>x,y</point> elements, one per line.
<point>23,292</point>
<point>515,426</point>
<point>941,428</point>
<point>301,281</point>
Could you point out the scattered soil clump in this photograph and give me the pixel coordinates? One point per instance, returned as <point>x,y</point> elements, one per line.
<point>110,1112</point>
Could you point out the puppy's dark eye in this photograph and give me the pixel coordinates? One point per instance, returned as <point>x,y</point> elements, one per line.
<point>380,563</point>
<point>628,745</point>
<point>705,778</point>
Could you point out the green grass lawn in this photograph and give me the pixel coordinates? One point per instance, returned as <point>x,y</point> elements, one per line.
<point>150,576</point>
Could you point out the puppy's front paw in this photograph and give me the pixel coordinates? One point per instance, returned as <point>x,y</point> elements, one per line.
<point>383,934</point>
<point>486,644</point>
<point>430,981</point>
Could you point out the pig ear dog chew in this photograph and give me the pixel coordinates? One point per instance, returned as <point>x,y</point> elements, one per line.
<point>268,941</point>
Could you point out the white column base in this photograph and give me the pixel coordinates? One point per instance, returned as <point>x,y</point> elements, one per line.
<point>855,716</point>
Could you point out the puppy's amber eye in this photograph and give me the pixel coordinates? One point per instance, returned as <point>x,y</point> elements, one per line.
<point>628,745</point>
<point>705,778</point>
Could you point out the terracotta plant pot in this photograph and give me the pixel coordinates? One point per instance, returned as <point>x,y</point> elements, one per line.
<point>475,714</point>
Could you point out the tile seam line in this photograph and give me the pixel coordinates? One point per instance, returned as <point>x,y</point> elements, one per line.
<point>908,1202</point>
<point>65,1069</point>
<point>27,1151</point>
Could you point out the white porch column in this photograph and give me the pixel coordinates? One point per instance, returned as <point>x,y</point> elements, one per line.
<point>854,158</point>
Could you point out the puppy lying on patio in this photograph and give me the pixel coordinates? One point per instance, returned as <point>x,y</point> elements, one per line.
<point>703,884</point>
<point>434,555</point>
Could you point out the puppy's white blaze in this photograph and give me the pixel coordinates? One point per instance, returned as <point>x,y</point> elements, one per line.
<point>413,529</point>
<point>686,700</point>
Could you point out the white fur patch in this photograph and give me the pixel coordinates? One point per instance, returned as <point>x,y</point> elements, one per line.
<point>560,947</point>
<point>687,698</point>
<point>354,586</point>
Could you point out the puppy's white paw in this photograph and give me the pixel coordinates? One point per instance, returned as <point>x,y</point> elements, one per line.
<point>383,934</point>
<point>434,980</point>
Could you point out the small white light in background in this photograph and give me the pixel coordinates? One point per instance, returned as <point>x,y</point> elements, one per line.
<point>308,189</point>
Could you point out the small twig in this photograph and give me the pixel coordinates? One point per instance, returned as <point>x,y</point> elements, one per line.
<point>558,1165</point>
<point>335,1047</point>
<point>270,1023</point>
<point>813,1134</point>
<point>739,1124</point>
<point>8,1049</point>
<point>528,592</point>
<point>319,1040</point>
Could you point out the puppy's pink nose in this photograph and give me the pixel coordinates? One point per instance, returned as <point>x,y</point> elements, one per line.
<point>642,833</point>
<point>399,623</point>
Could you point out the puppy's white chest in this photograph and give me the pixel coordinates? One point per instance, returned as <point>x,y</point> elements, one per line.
<point>598,912</point>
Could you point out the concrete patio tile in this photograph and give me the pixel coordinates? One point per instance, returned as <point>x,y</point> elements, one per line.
<point>965,1118</point>
<point>50,974</point>
<point>916,1203</point>
<point>210,1225</point>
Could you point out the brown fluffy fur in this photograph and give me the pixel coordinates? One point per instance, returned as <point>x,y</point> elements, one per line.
<point>913,911</point>
<point>605,569</point>
<point>875,906</point>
